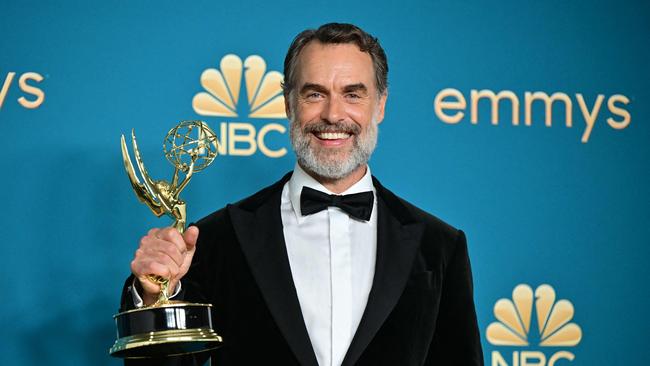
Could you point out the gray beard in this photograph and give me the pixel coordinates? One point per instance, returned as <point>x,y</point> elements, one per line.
<point>327,165</point>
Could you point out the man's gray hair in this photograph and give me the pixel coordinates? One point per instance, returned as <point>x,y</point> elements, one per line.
<point>336,33</point>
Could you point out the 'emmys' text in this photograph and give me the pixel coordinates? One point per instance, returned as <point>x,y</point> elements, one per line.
<point>450,107</point>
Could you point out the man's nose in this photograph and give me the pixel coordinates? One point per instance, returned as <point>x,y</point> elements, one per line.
<point>333,110</point>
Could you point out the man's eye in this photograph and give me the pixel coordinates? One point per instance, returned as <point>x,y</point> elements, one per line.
<point>352,96</point>
<point>313,95</point>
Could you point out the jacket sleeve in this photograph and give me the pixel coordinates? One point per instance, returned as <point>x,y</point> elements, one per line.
<point>456,340</point>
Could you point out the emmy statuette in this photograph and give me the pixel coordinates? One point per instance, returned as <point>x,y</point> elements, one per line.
<point>168,327</point>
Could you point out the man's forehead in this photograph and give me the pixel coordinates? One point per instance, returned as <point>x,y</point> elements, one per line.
<point>325,60</point>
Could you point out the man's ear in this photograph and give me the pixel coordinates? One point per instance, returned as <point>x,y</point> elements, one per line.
<point>381,106</point>
<point>287,105</point>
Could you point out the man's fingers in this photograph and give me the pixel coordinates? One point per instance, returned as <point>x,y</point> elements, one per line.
<point>168,233</point>
<point>142,269</point>
<point>151,289</point>
<point>190,236</point>
<point>152,248</point>
<point>158,264</point>
<point>172,235</point>
<point>173,268</point>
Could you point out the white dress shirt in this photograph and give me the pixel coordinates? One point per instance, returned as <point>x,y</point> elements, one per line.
<point>332,259</point>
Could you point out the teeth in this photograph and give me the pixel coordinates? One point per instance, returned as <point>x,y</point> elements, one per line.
<point>333,135</point>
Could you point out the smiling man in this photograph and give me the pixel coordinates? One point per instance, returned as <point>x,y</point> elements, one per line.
<point>325,267</point>
<point>334,112</point>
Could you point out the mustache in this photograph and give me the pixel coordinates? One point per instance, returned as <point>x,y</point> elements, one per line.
<point>324,127</point>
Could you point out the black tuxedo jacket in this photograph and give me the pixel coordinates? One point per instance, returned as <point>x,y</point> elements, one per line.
<point>420,310</point>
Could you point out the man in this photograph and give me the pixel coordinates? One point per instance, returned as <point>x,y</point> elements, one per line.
<point>298,277</point>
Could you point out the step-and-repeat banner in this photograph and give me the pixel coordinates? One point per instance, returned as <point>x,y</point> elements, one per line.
<point>524,123</point>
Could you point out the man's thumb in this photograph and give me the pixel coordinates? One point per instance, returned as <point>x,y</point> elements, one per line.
<point>190,235</point>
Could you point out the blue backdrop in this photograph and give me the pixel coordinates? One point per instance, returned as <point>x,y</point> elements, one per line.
<point>540,205</point>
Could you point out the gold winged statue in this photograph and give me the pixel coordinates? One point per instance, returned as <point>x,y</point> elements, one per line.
<point>190,146</point>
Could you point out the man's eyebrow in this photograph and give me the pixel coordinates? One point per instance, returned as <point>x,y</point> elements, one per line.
<point>358,87</point>
<point>313,87</point>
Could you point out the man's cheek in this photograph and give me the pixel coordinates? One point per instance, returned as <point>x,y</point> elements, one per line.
<point>361,116</point>
<point>308,112</point>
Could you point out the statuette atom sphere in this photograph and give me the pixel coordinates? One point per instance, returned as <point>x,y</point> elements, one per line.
<point>190,141</point>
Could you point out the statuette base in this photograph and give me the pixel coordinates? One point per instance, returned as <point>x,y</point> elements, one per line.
<point>167,330</point>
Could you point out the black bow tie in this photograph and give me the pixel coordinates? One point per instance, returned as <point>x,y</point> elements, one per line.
<point>357,205</point>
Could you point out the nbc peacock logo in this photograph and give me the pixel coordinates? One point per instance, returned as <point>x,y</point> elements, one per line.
<point>515,319</point>
<point>263,102</point>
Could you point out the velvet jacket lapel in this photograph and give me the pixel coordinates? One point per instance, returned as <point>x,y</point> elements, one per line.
<point>398,239</point>
<point>258,226</point>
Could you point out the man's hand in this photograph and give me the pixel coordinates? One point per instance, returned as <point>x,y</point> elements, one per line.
<point>166,253</point>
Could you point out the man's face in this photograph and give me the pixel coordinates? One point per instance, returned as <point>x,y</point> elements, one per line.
<point>335,109</point>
